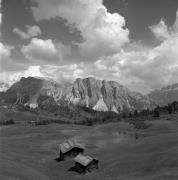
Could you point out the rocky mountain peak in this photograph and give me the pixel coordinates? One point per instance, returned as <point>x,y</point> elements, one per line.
<point>97,94</point>
<point>165,95</point>
<point>115,96</point>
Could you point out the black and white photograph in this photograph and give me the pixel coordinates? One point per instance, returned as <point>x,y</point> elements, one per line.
<point>88,89</point>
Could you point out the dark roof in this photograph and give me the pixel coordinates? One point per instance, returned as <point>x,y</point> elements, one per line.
<point>68,145</point>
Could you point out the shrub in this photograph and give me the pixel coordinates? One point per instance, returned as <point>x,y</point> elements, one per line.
<point>139,124</point>
<point>156,113</point>
<point>7,122</point>
<point>48,121</point>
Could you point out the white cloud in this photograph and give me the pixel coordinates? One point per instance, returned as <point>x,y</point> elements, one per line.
<point>140,68</point>
<point>102,32</point>
<point>21,33</point>
<point>45,51</point>
<point>136,66</point>
<point>143,69</point>
<point>5,51</point>
<point>63,72</point>
<point>160,30</point>
<point>34,71</point>
<point>32,31</point>
<point>99,65</point>
<point>12,77</point>
<point>57,73</point>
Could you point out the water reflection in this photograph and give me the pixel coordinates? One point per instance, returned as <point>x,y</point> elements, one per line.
<point>103,139</point>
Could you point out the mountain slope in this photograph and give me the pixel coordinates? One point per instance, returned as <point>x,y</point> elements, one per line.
<point>165,95</point>
<point>89,92</point>
<point>29,90</point>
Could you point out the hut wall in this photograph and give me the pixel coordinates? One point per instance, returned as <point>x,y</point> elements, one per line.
<point>61,157</point>
<point>80,168</point>
<point>93,165</point>
<point>73,152</point>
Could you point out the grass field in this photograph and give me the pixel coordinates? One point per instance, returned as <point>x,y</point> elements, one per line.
<point>29,152</point>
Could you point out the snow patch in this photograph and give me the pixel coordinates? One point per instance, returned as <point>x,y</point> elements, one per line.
<point>114,109</point>
<point>100,105</point>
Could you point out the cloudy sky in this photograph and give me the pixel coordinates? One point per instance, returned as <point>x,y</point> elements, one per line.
<point>134,42</point>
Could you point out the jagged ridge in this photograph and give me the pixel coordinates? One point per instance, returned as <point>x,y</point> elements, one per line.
<point>165,95</point>
<point>97,94</point>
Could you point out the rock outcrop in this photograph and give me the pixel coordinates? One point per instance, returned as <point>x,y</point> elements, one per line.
<point>96,94</point>
<point>165,95</point>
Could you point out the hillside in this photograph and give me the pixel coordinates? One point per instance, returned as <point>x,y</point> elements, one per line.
<point>29,152</point>
<point>165,95</point>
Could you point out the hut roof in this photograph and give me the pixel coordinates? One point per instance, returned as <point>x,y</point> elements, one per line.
<point>68,145</point>
<point>83,160</point>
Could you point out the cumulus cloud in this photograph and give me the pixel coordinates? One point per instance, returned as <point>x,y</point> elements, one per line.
<point>39,49</point>
<point>31,31</point>
<point>144,69</point>
<point>5,51</point>
<point>12,77</point>
<point>21,33</point>
<point>160,30</point>
<point>58,73</point>
<point>62,73</point>
<point>102,32</point>
<point>45,51</point>
<point>104,35</point>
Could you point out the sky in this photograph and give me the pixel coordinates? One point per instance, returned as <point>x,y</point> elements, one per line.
<point>133,42</point>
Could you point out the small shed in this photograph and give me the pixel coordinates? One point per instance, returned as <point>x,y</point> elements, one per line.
<point>84,164</point>
<point>69,148</point>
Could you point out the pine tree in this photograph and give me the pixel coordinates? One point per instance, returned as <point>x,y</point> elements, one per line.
<point>156,113</point>
<point>135,113</point>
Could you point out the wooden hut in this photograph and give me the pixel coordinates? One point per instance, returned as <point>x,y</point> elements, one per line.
<point>69,149</point>
<point>84,164</point>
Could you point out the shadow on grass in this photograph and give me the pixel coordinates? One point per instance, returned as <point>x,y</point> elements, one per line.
<point>77,170</point>
<point>58,159</point>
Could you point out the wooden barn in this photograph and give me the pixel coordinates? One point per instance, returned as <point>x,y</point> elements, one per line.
<point>69,149</point>
<point>84,164</point>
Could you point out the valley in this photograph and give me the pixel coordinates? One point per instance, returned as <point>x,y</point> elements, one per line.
<point>29,151</point>
<point>131,135</point>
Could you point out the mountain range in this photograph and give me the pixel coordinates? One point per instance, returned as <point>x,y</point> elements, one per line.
<point>99,95</point>
<point>165,95</point>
